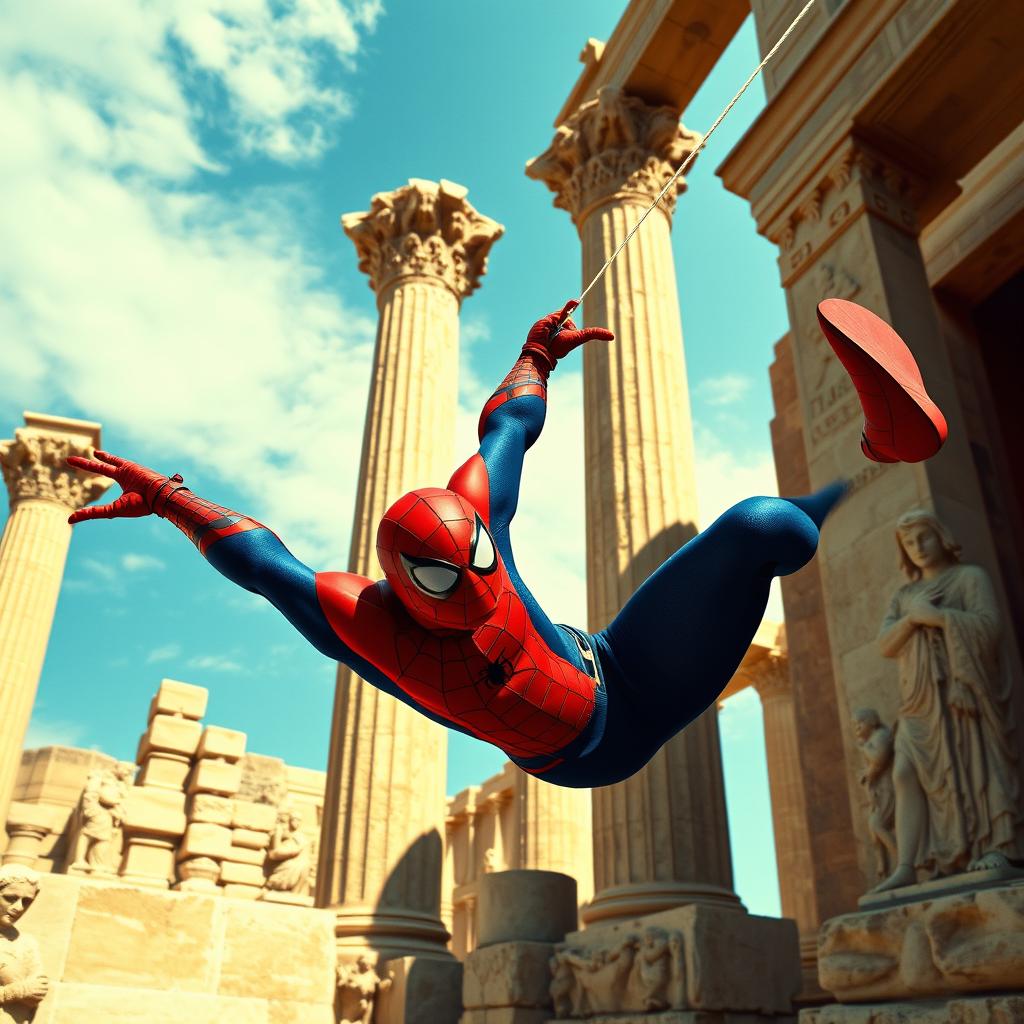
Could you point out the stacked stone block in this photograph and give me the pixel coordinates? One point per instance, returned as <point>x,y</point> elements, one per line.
<point>242,871</point>
<point>155,807</point>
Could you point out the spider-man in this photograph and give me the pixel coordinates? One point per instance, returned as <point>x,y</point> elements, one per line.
<point>453,631</point>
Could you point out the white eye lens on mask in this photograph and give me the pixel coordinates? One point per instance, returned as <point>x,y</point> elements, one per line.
<point>434,578</point>
<point>483,558</point>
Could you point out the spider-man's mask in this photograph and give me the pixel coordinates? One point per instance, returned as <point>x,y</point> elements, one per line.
<point>439,559</point>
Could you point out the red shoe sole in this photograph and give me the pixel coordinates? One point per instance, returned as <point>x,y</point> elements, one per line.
<point>901,423</point>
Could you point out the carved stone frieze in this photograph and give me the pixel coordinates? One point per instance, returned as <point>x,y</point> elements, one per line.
<point>642,972</point>
<point>35,469</point>
<point>614,146</point>
<point>424,229</point>
<point>859,178</point>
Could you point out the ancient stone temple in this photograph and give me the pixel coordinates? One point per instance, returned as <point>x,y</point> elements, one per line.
<point>206,882</point>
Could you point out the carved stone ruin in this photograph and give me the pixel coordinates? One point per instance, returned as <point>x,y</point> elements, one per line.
<point>97,843</point>
<point>22,982</point>
<point>954,770</point>
<point>876,745</point>
<point>358,988</point>
<point>288,858</point>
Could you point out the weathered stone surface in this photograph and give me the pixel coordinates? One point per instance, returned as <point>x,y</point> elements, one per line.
<point>241,874</point>
<point>250,838</point>
<point>210,808</point>
<point>278,954</point>
<point>264,780</point>
<point>148,860</point>
<point>176,698</point>
<point>171,733</point>
<point>510,974</point>
<point>526,906</point>
<point>240,891</point>
<point>966,1010</point>
<point>960,943</point>
<point>154,811</point>
<point>203,840</point>
<point>299,1013</point>
<point>220,777</point>
<point>138,938</point>
<point>83,1004</point>
<point>257,817</point>
<point>216,741</point>
<point>246,855</point>
<point>505,1015</point>
<point>165,771</point>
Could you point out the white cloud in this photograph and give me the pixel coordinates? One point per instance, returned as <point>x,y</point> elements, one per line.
<point>723,390</point>
<point>214,663</point>
<point>165,653</point>
<point>134,562</point>
<point>181,319</point>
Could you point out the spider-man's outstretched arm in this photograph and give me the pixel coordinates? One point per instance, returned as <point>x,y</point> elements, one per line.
<point>253,557</point>
<point>512,419</point>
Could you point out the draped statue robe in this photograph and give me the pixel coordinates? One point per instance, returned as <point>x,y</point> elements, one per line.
<point>954,722</point>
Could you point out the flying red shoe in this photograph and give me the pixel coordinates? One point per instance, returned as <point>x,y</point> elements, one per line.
<point>901,423</point>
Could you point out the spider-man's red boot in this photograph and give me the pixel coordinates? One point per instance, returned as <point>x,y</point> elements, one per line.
<point>901,423</point>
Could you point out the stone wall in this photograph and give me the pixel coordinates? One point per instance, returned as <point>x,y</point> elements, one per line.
<point>126,955</point>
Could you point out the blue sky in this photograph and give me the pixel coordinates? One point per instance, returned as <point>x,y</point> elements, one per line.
<point>173,267</point>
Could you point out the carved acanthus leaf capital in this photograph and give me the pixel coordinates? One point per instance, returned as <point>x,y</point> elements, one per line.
<point>614,146</point>
<point>35,469</point>
<point>771,676</point>
<point>423,229</point>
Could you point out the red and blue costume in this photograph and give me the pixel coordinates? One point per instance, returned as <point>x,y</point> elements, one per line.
<point>454,632</point>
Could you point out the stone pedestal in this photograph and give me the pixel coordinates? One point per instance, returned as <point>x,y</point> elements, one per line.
<point>424,248</point>
<point>661,837</point>
<point>693,963</point>
<point>43,491</point>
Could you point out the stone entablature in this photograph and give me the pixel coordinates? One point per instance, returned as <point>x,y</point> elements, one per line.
<point>615,147</point>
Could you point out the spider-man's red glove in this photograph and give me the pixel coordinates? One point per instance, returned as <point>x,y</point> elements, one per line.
<point>548,348</point>
<point>139,485</point>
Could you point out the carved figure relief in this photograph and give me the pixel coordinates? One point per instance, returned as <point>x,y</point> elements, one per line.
<point>954,769</point>
<point>22,982</point>
<point>639,973</point>
<point>99,843</point>
<point>876,746</point>
<point>288,856</point>
<point>358,988</point>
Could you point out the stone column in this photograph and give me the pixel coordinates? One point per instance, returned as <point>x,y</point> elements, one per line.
<point>43,491</point>
<point>424,248</point>
<point>770,677</point>
<point>660,838</point>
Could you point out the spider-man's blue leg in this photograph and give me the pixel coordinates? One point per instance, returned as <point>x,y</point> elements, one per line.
<point>681,636</point>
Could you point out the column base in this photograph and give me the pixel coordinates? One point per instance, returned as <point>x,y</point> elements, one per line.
<point>637,900</point>
<point>423,990</point>
<point>390,934</point>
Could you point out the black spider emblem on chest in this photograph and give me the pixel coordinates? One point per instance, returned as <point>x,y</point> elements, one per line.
<point>497,672</point>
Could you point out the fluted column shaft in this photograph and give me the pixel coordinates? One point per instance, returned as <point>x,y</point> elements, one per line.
<point>43,493</point>
<point>785,783</point>
<point>661,837</point>
<point>382,846</point>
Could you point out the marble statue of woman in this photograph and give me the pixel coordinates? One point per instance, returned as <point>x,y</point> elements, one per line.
<point>954,770</point>
<point>288,856</point>
<point>22,982</point>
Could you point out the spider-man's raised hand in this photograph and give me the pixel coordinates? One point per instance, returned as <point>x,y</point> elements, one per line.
<point>551,347</point>
<point>138,484</point>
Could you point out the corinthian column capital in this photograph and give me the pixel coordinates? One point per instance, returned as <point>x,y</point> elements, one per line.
<point>424,229</point>
<point>770,677</point>
<point>35,463</point>
<point>614,147</point>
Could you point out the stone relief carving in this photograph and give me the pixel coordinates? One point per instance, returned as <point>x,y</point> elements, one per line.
<point>614,145</point>
<point>954,769</point>
<point>423,229</point>
<point>35,467</point>
<point>288,855</point>
<point>638,973</point>
<point>876,746</point>
<point>22,982</point>
<point>358,988</point>
<point>98,842</point>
